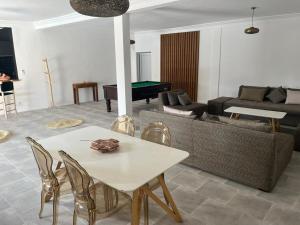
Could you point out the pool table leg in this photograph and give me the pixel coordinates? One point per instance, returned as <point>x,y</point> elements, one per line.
<point>108,105</point>
<point>147,100</point>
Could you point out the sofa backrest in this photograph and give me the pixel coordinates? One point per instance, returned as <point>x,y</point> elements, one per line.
<point>212,136</point>
<point>242,86</point>
<point>258,87</point>
<point>180,127</point>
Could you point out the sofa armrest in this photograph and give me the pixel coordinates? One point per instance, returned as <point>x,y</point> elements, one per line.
<point>216,106</point>
<point>247,156</point>
<point>283,149</point>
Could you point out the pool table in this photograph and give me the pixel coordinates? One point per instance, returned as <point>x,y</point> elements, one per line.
<point>140,90</point>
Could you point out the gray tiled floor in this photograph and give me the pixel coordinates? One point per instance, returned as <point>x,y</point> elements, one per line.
<point>202,198</point>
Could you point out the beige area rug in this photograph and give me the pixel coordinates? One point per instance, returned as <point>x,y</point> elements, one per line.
<point>4,135</point>
<point>64,123</point>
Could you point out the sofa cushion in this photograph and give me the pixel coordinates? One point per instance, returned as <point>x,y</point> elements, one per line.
<point>177,111</point>
<point>248,124</point>
<point>277,95</point>
<point>173,98</point>
<point>293,97</point>
<point>254,87</point>
<point>253,94</point>
<point>197,108</point>
<point>267,105</point>
<point>184,99</point>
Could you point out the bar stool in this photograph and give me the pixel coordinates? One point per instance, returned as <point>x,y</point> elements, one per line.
<point>9,105</point>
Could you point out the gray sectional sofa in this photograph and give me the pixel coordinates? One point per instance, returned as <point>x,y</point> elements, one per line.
<point>250,157</point>
<point>290,124</point>
<point>217,106</point>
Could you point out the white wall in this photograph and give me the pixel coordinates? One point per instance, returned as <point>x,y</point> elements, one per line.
<point>149,42</point>
<point>79,52</point>
<point>270,58</point>
<point>76,52</point>
<point>229,57</point>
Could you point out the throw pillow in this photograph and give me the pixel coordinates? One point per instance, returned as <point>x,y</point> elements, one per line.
<point>248,124</point>
<point>184,99</point>
<point>177,111</point>
<point>293,97</point>
<point>253,94</point>
<point>277,95</point>
<point>173,98</point>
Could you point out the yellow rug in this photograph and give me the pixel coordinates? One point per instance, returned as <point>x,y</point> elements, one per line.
<point>4,135</point>
<point>64,123</point>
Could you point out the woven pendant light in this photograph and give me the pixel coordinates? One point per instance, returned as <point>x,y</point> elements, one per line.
<point>100,8</point>
<point>252,29</point>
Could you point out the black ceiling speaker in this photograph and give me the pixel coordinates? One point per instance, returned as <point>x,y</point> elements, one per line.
<point>252,29</point>
<point>100,8</point>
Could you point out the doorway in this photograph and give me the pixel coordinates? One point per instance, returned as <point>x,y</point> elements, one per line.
<point>143,66</point>
<point>7,53</point>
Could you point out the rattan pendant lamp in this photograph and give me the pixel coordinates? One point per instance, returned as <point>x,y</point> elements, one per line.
<point>100,8</point>
<point>252,29</point>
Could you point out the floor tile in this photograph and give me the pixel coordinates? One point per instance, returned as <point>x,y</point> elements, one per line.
<point>251,205</point>
<point>217,191</point>
<point>280,216</point>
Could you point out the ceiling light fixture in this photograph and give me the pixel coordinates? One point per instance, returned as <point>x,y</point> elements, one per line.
<point>100,8</point>
<point>252,29</point>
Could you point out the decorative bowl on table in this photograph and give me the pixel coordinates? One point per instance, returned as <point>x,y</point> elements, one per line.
<point>105,146</point>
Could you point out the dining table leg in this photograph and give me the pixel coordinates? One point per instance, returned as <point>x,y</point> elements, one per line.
<point>136,206</point>
<point>169,208</point>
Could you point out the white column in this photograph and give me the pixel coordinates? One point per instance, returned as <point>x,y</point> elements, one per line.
<point>123,64</point>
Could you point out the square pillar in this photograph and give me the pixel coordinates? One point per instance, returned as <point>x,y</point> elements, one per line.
<point>123,64</point>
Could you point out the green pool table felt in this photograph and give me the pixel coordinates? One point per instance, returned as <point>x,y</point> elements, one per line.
<point>144,84</point>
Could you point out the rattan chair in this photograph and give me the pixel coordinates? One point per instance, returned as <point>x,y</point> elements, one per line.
<point>53,182</point>
<point>7,90</point>
<point>159,133</point>
<point>93,201</point>
<point>124,124</point>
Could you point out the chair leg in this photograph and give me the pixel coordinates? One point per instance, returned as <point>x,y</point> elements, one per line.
<point>92,217</point>
<point>56,193</point>
<point>74,217</point>
<point>48,196</point>
<point>43,194</point>
<point>15,104</point>
<point>4,106</point>
<point>146,209</point>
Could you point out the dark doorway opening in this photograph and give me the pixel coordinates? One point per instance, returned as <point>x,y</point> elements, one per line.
<point>7,53</point>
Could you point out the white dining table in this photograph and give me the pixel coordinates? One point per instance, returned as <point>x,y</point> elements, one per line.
<point>128,170</point>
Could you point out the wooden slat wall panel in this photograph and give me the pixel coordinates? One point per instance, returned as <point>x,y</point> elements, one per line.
<point>180,61</point>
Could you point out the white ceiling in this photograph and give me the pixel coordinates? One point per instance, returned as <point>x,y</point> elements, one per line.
<point>191,12</point>
<point>181,13</point>
<point>32,10</point>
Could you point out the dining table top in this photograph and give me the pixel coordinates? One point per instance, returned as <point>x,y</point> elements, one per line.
<point>135,163</point>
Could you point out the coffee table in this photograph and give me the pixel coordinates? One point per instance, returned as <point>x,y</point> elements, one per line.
<point>273,115</point>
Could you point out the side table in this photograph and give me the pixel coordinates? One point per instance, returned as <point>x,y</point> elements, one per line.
<point>77,86</point>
